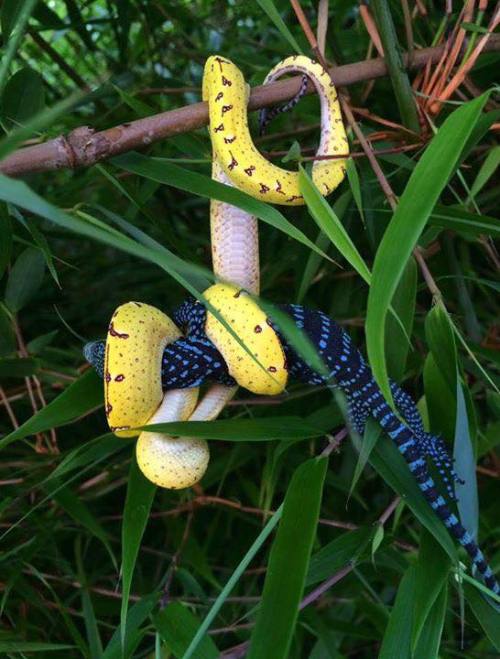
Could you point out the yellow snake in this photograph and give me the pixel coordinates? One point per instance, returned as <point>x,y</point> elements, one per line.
<point>180,462</point>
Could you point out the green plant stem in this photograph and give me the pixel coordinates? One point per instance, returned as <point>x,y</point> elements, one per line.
<point>397,72</point>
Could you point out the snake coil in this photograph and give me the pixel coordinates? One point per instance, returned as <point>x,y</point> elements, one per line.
<point>180,462</point>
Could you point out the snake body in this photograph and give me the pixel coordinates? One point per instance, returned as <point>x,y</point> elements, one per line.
<point>194,358</point>
<point>236,161</point>
<point>225,91</point>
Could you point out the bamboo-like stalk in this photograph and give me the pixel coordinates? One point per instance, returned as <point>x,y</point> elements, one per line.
<point>397,72</point>
<point>84,147</point>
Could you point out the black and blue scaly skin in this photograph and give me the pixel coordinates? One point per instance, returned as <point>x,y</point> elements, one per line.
<point>352,374</point>
<point>190,361</point>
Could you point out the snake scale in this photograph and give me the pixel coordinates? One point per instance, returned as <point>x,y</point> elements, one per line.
<point>199,355</point>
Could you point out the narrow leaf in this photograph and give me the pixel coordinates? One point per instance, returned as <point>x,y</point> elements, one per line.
<point>231,583</point>
<point>79,398</point>
<point>430,637</point>
<point>270,8</point>
<point>426,183</point>
<point>465,466</point>
<point>288,563</point>
<point>397,638</point>
<point>140,495</point>
<point>161,170</point>
<point>25,278</point>
<point>177,627</point>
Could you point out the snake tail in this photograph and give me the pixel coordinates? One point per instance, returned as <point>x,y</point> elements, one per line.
<point>266,115</point>
<point>407,446</point>
<point>351,373</point>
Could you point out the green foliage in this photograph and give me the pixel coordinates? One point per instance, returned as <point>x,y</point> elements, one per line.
<point>97,562</point>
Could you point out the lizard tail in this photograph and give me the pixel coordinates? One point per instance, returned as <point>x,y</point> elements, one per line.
<point>408,447</point>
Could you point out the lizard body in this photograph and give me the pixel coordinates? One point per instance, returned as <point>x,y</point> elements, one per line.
<point>193,360</point>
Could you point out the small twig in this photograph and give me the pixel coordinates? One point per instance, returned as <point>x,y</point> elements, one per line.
<point>10,411</point>
<point>408,28</point>
<point>23,351</point>
<point>60,61</point>
<point>167,90</point>
<point>322,27</point>
<point>371,28</point>
<point>360,154</point>
<point>174,563</point>
<point>334,442</point>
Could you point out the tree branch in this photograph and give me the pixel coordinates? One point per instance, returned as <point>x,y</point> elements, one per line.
<point>84,147</point>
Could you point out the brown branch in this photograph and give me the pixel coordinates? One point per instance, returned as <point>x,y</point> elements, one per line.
<point>84,147</point>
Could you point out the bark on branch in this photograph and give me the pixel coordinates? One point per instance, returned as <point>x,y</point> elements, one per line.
<point>84,146</point>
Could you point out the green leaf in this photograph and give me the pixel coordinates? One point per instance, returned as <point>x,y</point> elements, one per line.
<point>487,616</point>
<point>137,614</point>
<point>430,636</point>
<point>91,628</point>
<point>293,154</point>
<point>440,400</point>
<point>140,108</point>
<point>23,97</point>
<point>355,185</point>
<point>487,170</point>
<point>403,303</point>
<point>99,449</point>
<point>426,184</point>
<point>7,336</point>
<point>389,463</point>
<point>14,18</point>
<point>329,223</point>
<point>243,430</point>
<point>270,8</point>
<point>396,641</point>
<point>40,240</point>
<point>288,563</point>
<point>26,646</point>
<point>364,447</point>
<point>467,223</point>
<point>232,581</point>
<point>431,572</point>
<point>441,341</point>
<point>465,466</point>
<point>25,279</point>
<point>472,27</point>
<point>140,495</point>
<point>19,194</point>
<point>163,171</point>
<point>177,626</point>
<point>5,240</point>
<point>79,511</point>
<point>314,261</point>
<point>11,10</point>
<point>18,368</point>
<point>42,120</point>
<point>79,398</point>
<point>350,547</point>
<point>377,538</point>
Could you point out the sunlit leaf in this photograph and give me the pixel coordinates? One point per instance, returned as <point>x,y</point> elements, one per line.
<point>140,495</point>
<point>414,208</point>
